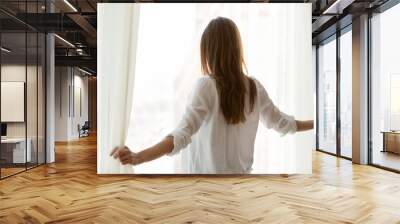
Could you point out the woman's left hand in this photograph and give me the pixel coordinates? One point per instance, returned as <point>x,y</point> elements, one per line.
<point>126,156</point>
<point>304,125</point>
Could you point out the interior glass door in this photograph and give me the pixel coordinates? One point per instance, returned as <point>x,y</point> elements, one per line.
<point>327,96</point>
<point>346,93</point>
<point>15,149</point>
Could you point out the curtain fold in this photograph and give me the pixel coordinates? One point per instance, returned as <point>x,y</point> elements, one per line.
<point>117,42</point>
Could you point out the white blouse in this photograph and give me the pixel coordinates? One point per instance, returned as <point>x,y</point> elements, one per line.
<point>215,146</point>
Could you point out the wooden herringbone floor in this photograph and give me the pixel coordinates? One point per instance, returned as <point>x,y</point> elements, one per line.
<point>69,191</point>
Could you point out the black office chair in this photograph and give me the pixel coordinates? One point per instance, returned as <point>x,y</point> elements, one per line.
<point>84,130</point>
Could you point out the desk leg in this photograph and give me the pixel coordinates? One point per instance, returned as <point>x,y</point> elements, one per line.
<point>384,142</point>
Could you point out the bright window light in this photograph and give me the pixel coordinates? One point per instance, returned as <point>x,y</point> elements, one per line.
<point>277,44</point>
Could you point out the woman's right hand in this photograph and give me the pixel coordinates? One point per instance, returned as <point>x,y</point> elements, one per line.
<point>126,156</point>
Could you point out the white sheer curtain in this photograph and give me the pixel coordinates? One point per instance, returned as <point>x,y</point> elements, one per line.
<point>117,41</point>
<point>277,43</point>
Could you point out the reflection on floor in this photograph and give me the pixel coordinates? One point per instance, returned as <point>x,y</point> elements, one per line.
<point>387,159</point>
<point>70,191</point>
<point>8,170</point>
<point>346,152</point>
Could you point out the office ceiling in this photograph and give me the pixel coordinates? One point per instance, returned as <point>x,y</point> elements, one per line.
<point>332,15</point>
<point>76,22</point>
<point>23,48</point>
<point>75,25</point>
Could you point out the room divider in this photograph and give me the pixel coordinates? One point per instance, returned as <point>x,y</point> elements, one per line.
<point>22,77</point>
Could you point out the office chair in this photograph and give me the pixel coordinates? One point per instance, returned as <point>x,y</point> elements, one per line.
<point>84,130</point>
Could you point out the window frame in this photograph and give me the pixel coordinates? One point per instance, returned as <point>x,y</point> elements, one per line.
<point>334,37</point>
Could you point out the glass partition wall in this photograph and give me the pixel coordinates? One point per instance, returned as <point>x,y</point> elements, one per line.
<point>13,145</point>
<point>385,89</point>
<point>22,77</point>
<point>334,105</point>
<point>383,95</point>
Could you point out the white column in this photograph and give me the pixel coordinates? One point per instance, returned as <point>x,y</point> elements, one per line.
<point>50,99</point>
<point>360,90</point>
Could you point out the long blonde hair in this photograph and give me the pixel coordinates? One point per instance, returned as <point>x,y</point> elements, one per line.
<point>222,58</point>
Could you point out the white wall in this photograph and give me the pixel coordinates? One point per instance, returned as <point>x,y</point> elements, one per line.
<point>12,73</point>
<point>33,127</point>
<point>79,117</point>
<point>61,103</point>
<point>314,84</point>
<point>70,83</point>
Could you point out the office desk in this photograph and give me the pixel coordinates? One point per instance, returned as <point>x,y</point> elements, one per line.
<point>13,150</point>
<point>391,141</point>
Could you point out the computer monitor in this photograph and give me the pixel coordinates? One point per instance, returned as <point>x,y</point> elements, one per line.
<point>3,129</point>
